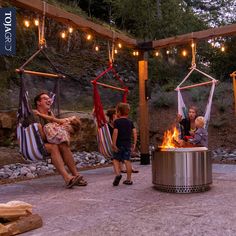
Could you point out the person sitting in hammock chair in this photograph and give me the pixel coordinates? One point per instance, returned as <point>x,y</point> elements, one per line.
<point>58,130</point>
<point>187,125</point>
<point>60,153</point>
<point>200,136</point>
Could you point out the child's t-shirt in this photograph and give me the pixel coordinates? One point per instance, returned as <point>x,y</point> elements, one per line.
<point>125,127</point>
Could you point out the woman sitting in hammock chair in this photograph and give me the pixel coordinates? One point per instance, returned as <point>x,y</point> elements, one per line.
<point>187,125</point>
<point>198,138</point>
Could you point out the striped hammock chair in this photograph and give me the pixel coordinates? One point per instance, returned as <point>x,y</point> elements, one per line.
<point>103,134</point>
<point>28,136</point>
<point>29,139</point>
<point>182,110</point>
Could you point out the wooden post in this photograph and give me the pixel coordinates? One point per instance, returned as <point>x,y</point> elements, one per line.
<point>233,75</point>
<point>143,110</point>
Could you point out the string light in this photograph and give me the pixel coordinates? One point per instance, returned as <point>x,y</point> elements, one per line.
<point>63,35</point>
<point>119,45</point>
<point>193,45</point>
<point>26,23</point>
<point>70,30</point>
<point>156,54</point>
<point>167,52</point>
<point>222,49</point>
<point>36,22</point>
<point>184,53</point>
<point>135,53</point>
<point>96,48</point>
<point>89,37</point>
<point>115,51</point>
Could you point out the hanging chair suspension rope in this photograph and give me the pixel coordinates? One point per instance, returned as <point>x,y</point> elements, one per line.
<point>31,58</point>
<point>194,68</point>
<point>42,41</point>
<point>193,45</point>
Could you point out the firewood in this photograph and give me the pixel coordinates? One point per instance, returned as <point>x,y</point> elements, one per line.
<point>24,224</point>
<point>14,209</point>
<point>4,231</point>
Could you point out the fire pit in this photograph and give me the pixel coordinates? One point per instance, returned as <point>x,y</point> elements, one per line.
<point>181,170</point>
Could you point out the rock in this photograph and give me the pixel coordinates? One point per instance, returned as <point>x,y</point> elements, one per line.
<point>41,168</point>
<point>6,121</point>
<point>30,175</point>
<point>32,168</point>
<point>24,171</point>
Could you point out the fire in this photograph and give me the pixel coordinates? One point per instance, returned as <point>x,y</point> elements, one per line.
<point>171,138</point>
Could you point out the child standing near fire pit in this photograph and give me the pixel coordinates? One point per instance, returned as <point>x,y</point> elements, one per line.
<point>123,130</point>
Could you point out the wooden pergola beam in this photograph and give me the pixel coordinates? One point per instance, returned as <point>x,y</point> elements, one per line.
<point>73,20</point>
<point>187,38</point>
<point>86,25</point>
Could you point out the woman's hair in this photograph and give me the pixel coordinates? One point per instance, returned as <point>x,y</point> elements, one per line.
<point>110,112</point>
<point>123,108</point>
<point>194,108</point>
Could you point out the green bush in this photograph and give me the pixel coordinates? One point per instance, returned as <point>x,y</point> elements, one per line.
<point>163,100</point>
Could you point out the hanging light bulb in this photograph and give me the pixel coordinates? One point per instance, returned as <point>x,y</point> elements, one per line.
<point>193,45</point>
<point>89,37</point>
<point>222,49</point>
<point>27,23</point>
<point>36,22</point>
<point>119,45</point>
<point>212,44</point>
<point>115,51</point>
<point>156,54</point>
<point>96,48</point>
<point>167,52</point>
<point>184,53</point>
<point>63,35</point>
<point>70,30</point>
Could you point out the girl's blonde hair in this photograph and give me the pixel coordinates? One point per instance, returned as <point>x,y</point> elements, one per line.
<point>201,121</point>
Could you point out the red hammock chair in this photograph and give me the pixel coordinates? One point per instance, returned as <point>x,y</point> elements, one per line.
<point>103,134</point>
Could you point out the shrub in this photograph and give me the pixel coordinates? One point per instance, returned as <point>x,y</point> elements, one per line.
<point>163,100</point>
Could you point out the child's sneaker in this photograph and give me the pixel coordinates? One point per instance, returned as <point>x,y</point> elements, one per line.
<point>117,180</point>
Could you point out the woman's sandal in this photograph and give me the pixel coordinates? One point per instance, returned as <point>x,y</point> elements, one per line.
<point>128,182</point>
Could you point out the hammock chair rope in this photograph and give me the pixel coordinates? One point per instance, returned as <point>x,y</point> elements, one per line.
<point>182,110</point>
<point>103,134</point>
<point>30,142</point>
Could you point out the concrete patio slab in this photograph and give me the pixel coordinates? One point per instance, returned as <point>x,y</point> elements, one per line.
<point>101,209</point>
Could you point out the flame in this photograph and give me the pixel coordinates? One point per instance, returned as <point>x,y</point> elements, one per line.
<point>171,138</point>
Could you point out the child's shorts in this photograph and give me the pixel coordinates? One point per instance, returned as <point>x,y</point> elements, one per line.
<point>124,154</point>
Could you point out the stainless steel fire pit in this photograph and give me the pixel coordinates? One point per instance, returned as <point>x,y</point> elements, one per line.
<point>182,170</point>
